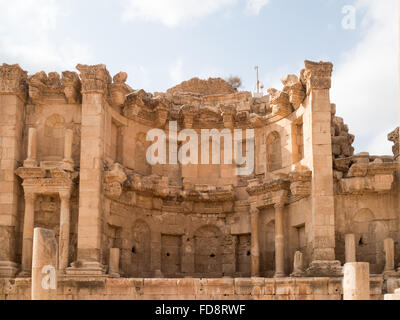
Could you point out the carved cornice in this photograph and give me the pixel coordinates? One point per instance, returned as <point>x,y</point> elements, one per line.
<point>13,80</point>
<point>41,84</point>
<point>119,89</point>
<point>95,79</point>
<point>280,103</point>
<point>295,90</point>
<point>317,75</point>
<point>72,87</point>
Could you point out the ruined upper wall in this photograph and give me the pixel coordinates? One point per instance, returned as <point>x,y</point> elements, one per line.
<point>204,87</point>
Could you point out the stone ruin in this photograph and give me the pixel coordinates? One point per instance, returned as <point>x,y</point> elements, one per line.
<point>73,161</point>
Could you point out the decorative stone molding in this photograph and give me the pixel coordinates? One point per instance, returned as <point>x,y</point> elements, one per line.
<point>72,87</point>
<point>317,75</point>
<point>394,137</point>
<point>95,79</point>
<point>41,85</point>
<point>13,80</point>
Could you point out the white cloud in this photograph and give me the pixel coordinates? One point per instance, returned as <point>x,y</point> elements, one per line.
<point>176,72</point>
<point>28,36</point>
<point>365,83</point>
<point>172,13</point>
<point>255,6</point>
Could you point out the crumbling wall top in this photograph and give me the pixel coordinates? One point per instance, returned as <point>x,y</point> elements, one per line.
<point>211,86</point>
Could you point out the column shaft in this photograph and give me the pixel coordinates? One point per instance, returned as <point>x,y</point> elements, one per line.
<point>65,218</point>
<point>255,245</point>
<point>279,242</point>
<point>27,242</point>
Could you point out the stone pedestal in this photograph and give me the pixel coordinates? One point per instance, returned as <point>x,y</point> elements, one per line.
<point>86,268</point>
<point>393,297</point>
<point>298,265</point>
<point>389,255</point>
<point>44,265</point>
<point>356,282</point>
<point>114,263</point>
<point>325,268</point>
<point>350,242</point>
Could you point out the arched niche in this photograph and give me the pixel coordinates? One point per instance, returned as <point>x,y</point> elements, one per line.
<point>208,251</point>
<point>141,249</point>
<point>370,234</point>
<point>274,152</point>
<point>269,248</point>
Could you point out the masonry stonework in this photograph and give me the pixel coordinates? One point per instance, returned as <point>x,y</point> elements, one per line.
<point>73,161</point>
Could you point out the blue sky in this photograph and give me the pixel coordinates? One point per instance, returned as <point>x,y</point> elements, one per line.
<point>160,43</point>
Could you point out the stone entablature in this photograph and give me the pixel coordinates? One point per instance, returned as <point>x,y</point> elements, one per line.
<point>394,137</point>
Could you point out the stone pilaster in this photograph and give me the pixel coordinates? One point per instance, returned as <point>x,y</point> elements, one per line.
<point>95,81</point>
<point>13,95</point>
<point>255,243</point>
<point>318,149</point>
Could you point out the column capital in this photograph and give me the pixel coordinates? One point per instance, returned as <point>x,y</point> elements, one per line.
<point>317,75</point>
<point>30,196</point>
<point>95,79</point>
<point>65,195</point>
<point>13,80</point>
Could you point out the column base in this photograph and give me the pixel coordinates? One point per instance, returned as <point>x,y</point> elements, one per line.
<point>25,274</point>
<point>321,268</point>
<point>85,269</point>
<point>279,275</point>
<point>8,269</point>
<point>114,275</point>
<point>298,274</point>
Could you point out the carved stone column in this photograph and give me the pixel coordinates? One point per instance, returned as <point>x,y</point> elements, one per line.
<point>318,157</point>
<point>255,243</point>
<point>65,221</point>
<point>69,135</point>
<point>31,161</point>
<point>279,241</point>
<point>27,242</point>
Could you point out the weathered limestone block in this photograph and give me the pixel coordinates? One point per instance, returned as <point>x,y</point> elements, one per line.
<point>13,80</point>
<point>188,113</point>
<point>356,282</point>
<point>42,85</point>
<point>114,180</point>
<point>280,103</point>
<point>212,86</point>
<point>295,89</point>
<point>44,265</point>
<point>350,243</point>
